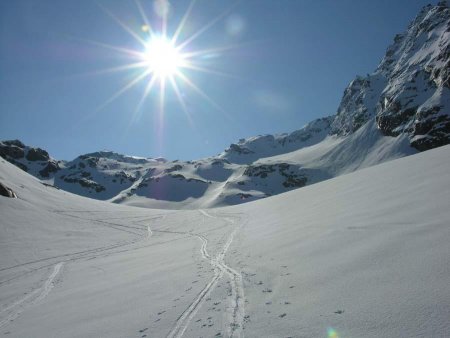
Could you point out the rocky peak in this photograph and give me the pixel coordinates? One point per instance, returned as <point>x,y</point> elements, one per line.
<point>252,148</point>
<point>409,91</point>
<point>36,161</point>
<point>358,104</point>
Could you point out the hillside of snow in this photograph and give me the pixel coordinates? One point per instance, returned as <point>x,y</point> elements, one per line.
<point>364,254</point>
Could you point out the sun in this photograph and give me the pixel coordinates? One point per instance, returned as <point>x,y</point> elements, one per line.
<point>162,58</point>
<point>164,61</point>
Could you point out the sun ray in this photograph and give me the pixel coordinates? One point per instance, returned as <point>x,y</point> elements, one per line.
<point>129,52</point>
<point>129,85</point>
<point>144,17</point>
<point>117,69</point>
<point>203,52</point>
<point>181,100</point>
<point>182,22</point>
<point>136,113</point>
<point>210,71</point>
<point>123,25</point>
<point>160,115</point>
<point>164,61</point>
<point>201,93</point>
<point>147,91</point>
<point>206,27</point>
<point>162,93</point>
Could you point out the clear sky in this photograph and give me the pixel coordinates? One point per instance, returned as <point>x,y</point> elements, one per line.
<point>266,67</point>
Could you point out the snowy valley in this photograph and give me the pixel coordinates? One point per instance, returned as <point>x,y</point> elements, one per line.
<point>345,233</point>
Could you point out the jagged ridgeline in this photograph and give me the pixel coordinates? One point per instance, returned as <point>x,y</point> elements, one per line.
<point>401,108</point>
<point>409,91</point>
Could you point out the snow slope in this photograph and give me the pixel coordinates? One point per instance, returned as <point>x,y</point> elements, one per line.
<point>364,254</point>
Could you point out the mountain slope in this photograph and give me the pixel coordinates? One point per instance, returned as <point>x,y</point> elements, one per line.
<point>363,254</point>
<point>410,90</point>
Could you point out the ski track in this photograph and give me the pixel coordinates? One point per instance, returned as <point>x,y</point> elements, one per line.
<point>236,311</point>
<point>85,253</point>
<point>14,310</point>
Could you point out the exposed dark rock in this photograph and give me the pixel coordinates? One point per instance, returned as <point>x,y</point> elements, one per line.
<point>220,162</point>
<point>51,167</point>
<point>176,167</point>
<point>85,183</point>
<point>37,154</point>
<point>92,162</point>
<point>123,176</point>
<point>259,170</point>
<point>293,178</point>
<point>50,185</point>
<point>179,176</point>
<point>243,196</point>
<point>394,117</point>
<point>238,149</point>
<point>16,143</point>
<point>431,130</point>
<point>7,192</point>
<point>85,174</point>
<point>11,151</point>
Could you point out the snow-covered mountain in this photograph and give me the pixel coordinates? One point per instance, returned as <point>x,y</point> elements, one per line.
<point>401,108</point>
<point>409,93</point>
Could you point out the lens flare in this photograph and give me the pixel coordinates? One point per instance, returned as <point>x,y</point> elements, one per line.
<point>164,61</point>
<point>332,333</point>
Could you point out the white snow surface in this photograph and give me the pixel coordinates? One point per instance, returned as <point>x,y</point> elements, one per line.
<point>365,254</point>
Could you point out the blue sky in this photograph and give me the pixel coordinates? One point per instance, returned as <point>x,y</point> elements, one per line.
<point>281,63</point>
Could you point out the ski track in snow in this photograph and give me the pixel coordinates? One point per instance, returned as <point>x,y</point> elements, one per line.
<point>236,311</point>
<point>95,252</point>
<point>14,310</point>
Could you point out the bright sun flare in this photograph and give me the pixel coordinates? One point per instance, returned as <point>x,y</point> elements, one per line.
<point>163,60</point>
<point>162,57</point>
